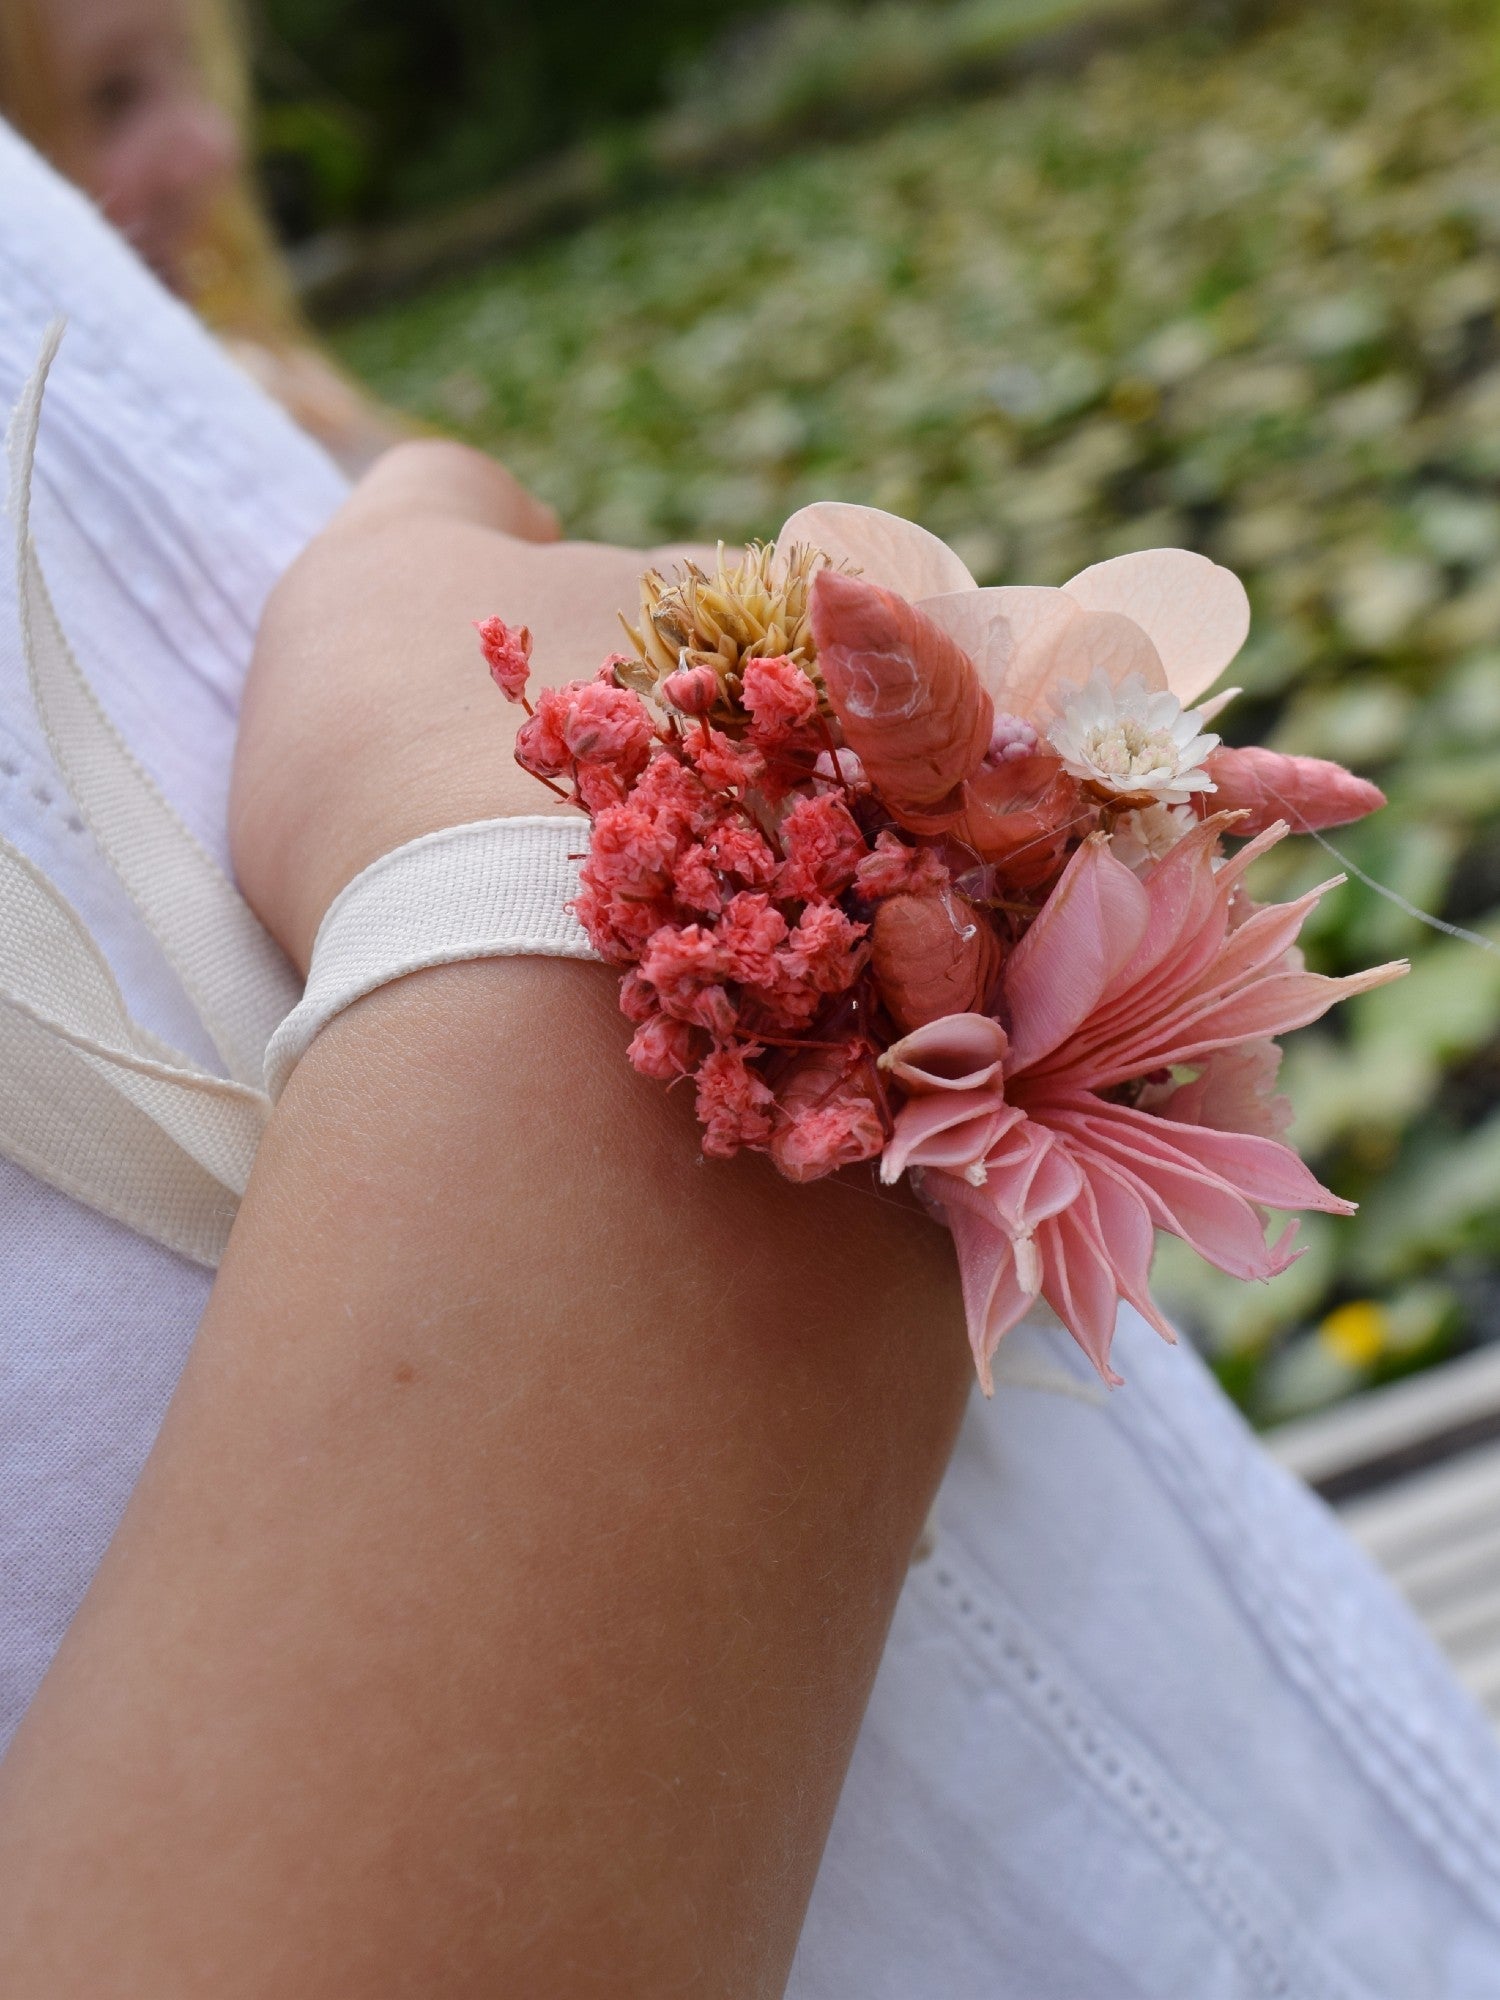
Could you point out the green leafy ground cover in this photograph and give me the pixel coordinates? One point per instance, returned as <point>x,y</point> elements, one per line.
<point>1238,292</point>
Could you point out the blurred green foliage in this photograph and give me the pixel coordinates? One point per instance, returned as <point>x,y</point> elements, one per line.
<point>373,106</point>
<point>1239,291</point>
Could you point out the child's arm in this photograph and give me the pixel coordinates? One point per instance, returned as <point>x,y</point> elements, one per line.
<point>497,1611</point>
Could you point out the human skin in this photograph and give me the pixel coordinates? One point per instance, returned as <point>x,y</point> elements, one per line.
<point>140,129</point>
<point>497,1610</point>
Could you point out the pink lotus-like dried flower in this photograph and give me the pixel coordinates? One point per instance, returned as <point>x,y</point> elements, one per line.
<point>507,653</point>
<point>1052,1179</point>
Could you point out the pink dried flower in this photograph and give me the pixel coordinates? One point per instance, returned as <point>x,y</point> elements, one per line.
<point>1307,792</point>
<point>691,690</point>
<point>823,847</point>
<point>619,927</point>
<point>637,997</point>
<point>694,882</point>
<point>541,745</point>
<point>1011,739</point>
<point>630,852</point>
<point>842,767</point>
<point>826,949</point>
<point>663,1049</point>
<point>680,960</point>
<point>607,725</point>
<point>897,869</point>
<point>600,786</point>
<point>712,1009</point>
<point>724,765</point>
<point>748,935</point>
<point>779,696</point>
<point>742,851</point>
<point>675,796</point>
<point>734,1106</point>
<point>826,1117</point>
<point>507,653</point>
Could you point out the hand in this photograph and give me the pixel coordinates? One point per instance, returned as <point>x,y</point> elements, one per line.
<point>369,717</point>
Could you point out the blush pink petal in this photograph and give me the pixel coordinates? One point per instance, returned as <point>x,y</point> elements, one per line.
<point>1029,1177</point>
<point>1195,613</point>
<point>1028,641</point>
<point>882,547</point>
<point>1078,1282</point>
<point>960,1052</point>
<point>948,1130</point>
<point>1088,930</point>
<point>995,1297</point>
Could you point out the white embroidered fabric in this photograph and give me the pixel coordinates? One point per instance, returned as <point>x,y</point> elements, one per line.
<point>1147,1725</point>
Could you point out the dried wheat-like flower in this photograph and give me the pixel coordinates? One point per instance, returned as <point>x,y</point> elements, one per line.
<point>753,607</point>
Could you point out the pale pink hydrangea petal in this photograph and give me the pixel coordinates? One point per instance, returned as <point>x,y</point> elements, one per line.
<point>1196,614</point>
<point>882,547</point>
<point>1028,641</point>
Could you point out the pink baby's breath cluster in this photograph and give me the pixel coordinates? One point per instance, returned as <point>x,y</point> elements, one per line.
<point>896,867</point>
<point>722,877</point>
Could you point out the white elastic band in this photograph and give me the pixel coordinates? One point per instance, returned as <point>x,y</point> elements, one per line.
<point>495,888</point>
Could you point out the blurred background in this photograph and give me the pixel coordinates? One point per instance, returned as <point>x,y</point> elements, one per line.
<point>1059,278</point>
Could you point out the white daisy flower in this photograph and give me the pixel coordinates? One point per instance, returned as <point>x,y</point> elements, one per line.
<point>1130,743</point>
<point>1140,839</point>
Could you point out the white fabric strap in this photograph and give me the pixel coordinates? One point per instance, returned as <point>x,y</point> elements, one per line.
<point>89,1100</point>
<point>238,980</point>
<point>495,888</point>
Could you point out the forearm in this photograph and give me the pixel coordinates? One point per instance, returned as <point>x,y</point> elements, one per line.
<point>497,1611</point>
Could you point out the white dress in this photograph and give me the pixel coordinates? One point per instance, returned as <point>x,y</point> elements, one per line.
<point>1148,1725</point>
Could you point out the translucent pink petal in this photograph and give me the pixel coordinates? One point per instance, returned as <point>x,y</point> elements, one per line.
<point>1195,613</point>
<point>950,1129</point>
<point>1125,1226</point>
<point>1078,1282</point>
<point>1235,1091</point>
<point>1262,1170</point>
<point>1028,1176</point>
<point>1182,1197</point>
<point>956,1052</point>
<point>1016,635</point>
<point>882,547</point>
<point>1270,1006</point>
<point>1088,930</point>
<point>995,1297</point>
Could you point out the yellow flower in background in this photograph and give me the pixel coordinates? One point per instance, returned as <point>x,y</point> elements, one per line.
<point>1357,1333</point>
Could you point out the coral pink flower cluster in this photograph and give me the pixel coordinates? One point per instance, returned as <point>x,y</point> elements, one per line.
<point>945,883</point>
